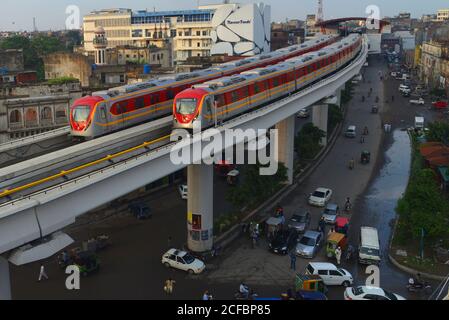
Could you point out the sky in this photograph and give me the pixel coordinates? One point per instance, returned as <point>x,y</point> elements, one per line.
<point>51,14</point>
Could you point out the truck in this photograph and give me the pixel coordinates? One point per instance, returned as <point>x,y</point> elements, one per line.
<point>369,248</point>
<point>419,122</point>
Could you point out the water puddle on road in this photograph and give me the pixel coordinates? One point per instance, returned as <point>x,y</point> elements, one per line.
<point>383,194</point>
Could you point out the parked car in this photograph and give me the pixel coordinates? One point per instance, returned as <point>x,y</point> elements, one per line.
<point>403,87</point>
<point>370,293</point>
<point>183,191</point>
<point>304,113</point>
<point>320,197</point>
<point>417,101</point>
<point>140,210</point>
<point>330,213</point>
<point>284,241</point>
<point>300,222</point>
<point>331,275</point>
<point>182,260</point>
<point>309,244</point>
<point>406,93</point>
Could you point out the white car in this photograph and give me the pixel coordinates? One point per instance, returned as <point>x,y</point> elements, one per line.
<point>183,191</point>
<point>304,113</point>
<point>370,293</point>
<point>330,273</point>
<point>182,260</point>
<point>417,101</point>
<point>403,88</point>
<point>320,197</point>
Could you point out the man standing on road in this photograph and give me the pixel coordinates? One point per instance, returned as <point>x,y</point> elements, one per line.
<point>322,225</point>
<point>292,261</point>
<point>42,273</point>
<point>338,255</point>
<point>168,288</point>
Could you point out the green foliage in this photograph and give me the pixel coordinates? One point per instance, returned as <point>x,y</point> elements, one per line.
<point>441,93</point>
<point>423,206</point>
<point>34,49</point>
<point>62,80</point>
<point>307,142</point>
<point>255,187</point>
<point>347,93</point>
<point>335,117</point>
<point>438,132</point>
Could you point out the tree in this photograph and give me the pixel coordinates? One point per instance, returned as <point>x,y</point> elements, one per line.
<point>438,132</point>
<point>255,187</point>
<point>307,142</point>
<point>335,117</point>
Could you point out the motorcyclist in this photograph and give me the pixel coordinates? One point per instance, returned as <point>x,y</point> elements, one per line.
<point>244,290</point>
<point>351,164</point>
<point>348,204</point>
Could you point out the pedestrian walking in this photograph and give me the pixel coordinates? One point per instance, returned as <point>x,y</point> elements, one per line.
<point>292,261</point>
<point>362,139</point>
<point>322,225</point>
<point>169,284</point>
<point>42,273</point>
<point>207,296</point>
<point>338,255</point>
<point>351,164</point>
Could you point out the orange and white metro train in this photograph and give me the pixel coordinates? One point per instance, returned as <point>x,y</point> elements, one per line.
<point>215,101</point>
<point>122,107</point>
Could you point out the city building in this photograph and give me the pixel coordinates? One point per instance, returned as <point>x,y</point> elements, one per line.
<point>287,33</point>
<point>35,108</point>
<point>310,27</point>
<point>12,70</point>
<point>443,15</point>
<point>434,65</point>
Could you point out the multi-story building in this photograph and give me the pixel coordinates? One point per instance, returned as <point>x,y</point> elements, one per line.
<point>187,31</point>
<point>443,15</point>
<point>434,66</point>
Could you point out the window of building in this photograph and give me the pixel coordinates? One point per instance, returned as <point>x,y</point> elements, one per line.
<point>198,44</point>
<point>137,33</point>
<point>61,112</point>
<point>180,33</point>
<point>15,116</point>
<point>204,33</point>
<point>46,113</point>
<point>122,78</point>
<point>198,33</point>
<point>172,33</point>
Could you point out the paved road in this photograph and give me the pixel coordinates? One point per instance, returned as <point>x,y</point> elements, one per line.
<point>131,268</point>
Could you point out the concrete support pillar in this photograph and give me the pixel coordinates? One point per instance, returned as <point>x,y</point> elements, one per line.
<point>286,147</point>
<point>200,207</point>
<point>5,282</point>
<point>319,118</point>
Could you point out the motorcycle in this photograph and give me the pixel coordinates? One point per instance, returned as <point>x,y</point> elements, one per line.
<point>350,252</point>
<point>419,286</point>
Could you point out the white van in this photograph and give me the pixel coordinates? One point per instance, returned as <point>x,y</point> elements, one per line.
<point>350,132</point>
<point>419,122</point>
<point>331,275</point>
<point>369,248</point>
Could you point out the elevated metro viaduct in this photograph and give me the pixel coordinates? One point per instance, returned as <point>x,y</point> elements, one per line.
<point>374,29</point>
<point>40,214</point>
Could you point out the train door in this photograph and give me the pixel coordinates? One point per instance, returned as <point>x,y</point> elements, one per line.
<point>101,118</point>
<point>208,116</point>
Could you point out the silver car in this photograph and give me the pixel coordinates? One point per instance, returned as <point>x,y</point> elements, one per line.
<point>330,213</point>
<point>309,244</point>
<point>299,222</point>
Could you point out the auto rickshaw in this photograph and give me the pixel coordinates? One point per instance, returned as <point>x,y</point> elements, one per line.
<point>309,283</point>
<point>335,240</point>
<point>342,225</point>
<point>233,177</point>
<point>274,225</point>
<point>365,157</point>
<point>87,262</point>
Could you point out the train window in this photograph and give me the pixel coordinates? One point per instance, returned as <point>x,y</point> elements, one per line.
<point>140,102</point>
<point>154,98</point>
<point>256,88</point>
<point>122,107</point>
<point>275,82</point>
<point>220,100</point>
<point>310,69</point>
<point>245,92</point>
<point>170,94</point>
<point>234,96</point>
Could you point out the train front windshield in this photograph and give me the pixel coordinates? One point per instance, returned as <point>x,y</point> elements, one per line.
<point>80,113</point>
<point>185,106</point>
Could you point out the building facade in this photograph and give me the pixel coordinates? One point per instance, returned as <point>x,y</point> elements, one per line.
<point>434,66</point>
<point>443,15</point>
<point>187,32</point>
